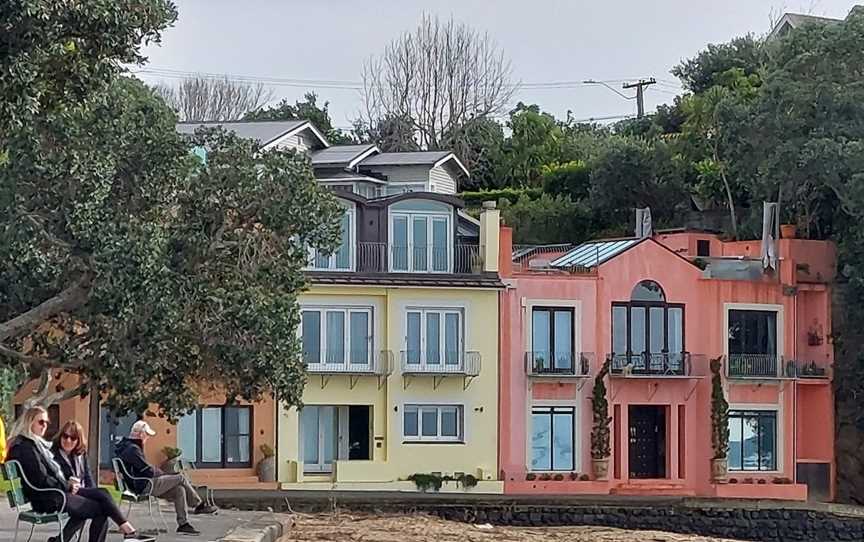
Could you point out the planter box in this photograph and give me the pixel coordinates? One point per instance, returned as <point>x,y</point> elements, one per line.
<point>552,487</point>
<point>781,492</point>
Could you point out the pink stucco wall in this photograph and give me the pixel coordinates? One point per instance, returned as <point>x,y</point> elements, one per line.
<point>806,407</point>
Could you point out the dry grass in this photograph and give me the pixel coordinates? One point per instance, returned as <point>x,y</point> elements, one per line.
<point>416,528</point>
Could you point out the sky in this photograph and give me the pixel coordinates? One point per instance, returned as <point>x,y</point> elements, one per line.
<point>320,45</point>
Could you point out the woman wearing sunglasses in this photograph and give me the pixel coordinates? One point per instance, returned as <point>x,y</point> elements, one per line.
<point>42,470</point>
<point>70,451</point>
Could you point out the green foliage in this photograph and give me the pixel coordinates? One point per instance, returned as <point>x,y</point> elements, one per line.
<point>308,109</point>
<point>600,434</point>
<point>267,450</point>
<point>512,195</point>
<point>707,69</point>
<point>548,219</point>
<point>11,379</point>
<point>171,452</point>
<point>719,413</point>
<point>571,179</point>
<point>535,140</point>
<point>479,145</point>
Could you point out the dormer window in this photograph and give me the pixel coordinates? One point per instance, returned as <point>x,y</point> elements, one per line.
<point>421,237</point>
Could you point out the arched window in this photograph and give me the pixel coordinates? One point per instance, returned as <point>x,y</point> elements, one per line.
<point>648,333</point>
<point>648,291</point>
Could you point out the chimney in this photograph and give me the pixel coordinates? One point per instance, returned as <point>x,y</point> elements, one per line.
<point>490,220</point>
<point>644,227</point>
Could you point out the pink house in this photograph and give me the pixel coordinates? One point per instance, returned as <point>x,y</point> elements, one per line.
<point>658,310</point>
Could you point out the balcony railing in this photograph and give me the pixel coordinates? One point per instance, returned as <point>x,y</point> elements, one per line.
<point>544,363</point>
<point>457,363</point>
<point>384,258</point>
<point>755,366</point>
<point>340,361</point>
<point>809,368</point>
<point>651,364</point>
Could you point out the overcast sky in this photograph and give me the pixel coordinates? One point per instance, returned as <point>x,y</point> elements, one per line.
<point>547,41</point>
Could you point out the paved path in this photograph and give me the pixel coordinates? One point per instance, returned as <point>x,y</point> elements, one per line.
<point>211,527</point>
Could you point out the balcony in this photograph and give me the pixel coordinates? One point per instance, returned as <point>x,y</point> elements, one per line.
<point>810,369</point>
<point>460,364</point>
<point>384,258</point>
<point>651,364</point>
<point>755,366</point>
<point>555,365</point>
<point>354,364</point>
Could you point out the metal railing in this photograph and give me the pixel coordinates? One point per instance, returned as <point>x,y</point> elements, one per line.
<point>545,363</point>
<point>808,368</point>
<point>373,257</point>
<point>461,363</point>
<point>754,366</point>
<point>349,362</point>
<point>651,364</point>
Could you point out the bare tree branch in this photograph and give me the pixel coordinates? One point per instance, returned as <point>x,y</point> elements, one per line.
<point>207,99</point>
<point>439,76</point>
<point>67,300</point>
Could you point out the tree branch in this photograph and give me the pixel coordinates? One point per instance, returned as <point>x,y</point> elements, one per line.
<point>70,298</point>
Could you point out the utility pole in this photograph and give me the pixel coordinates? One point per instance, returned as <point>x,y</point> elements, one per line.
<point>640,93</point>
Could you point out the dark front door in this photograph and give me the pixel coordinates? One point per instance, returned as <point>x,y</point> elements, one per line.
<point>647,433</point>
<point>359,432</point>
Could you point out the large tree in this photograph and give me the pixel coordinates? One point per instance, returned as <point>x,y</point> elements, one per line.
<point>308,109</point>
<point>203,99</point>
<point>142,270</point>
<point>439,76</point>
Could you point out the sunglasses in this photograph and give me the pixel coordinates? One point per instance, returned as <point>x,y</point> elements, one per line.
<point>69,437</point>
<point>42,422</point>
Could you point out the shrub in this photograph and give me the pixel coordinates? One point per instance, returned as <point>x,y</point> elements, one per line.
<point>584,478</point>
<point>530,476</point>
<point>719,413</point>
<point>559,477</point>
<point>267,450</point>
<point>171,452</point>
<point>600,447</point>
<point>512,195</point>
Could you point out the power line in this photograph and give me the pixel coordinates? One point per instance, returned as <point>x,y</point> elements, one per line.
<point>640,86</point>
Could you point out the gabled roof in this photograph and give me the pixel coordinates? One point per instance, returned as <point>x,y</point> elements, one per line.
<point>594,253</point>
<point>797,20</point>
<point>418,158</point>
<point>264,132</point>
<point>343,155</point>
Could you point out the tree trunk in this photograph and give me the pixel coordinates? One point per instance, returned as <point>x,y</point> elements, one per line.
<point>728,196</point>
<point>93,434</point>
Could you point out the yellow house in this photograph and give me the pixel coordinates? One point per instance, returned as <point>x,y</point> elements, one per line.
<point>400,339</point>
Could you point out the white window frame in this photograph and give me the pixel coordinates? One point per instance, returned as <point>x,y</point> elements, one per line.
<point>779,431</point>
<point>431,217</point>
<point>781,343</point>
<point>438,408</point>
<point>312,258</point>
<point>345,364</point>
<point>442,336</point>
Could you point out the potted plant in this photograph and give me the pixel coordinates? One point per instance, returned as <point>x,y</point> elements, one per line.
<point>267,465</point>
<point>172,460</point>
<point>719,424</point>
<point>600,448</point>
<point>788,231</point>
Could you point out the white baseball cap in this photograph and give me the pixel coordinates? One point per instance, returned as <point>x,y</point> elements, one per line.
<point>141,427</point>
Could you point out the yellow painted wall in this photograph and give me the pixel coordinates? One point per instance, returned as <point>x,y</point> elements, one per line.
<point>393,459</point>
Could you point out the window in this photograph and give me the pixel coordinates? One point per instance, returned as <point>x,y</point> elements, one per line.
<point>552,438</point>
<point>342,258</point>
<point>753,440</point>
<point>552,340</point>
<point>217,436</point>
<point>436,423</point>
<point>703,247</point>
<point>434,337</point>
<point>112,430</point>
<point>420,242</point>
<point>648,332</point>
<point>752,343</point>
<point>336,335</point>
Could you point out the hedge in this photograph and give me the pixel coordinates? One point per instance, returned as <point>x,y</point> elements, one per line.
<point>476,199</point>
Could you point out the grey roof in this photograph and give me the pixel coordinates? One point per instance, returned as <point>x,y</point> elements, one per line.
<point>338,154</point>
<point>263,132</point>
<point>594,253</point>
<point>797,19</point>
<point>421,158</point>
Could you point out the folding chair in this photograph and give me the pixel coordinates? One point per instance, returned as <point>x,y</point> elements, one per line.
<point>122,482</point>
<point>14,474</point>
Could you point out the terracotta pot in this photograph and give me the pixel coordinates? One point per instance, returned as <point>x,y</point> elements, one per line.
<point>600,468</point>
<point>719,469</point>
<point>788,231</point>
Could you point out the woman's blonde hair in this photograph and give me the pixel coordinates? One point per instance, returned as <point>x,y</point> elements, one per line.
<point>27,421</point>
<point>72,428</point>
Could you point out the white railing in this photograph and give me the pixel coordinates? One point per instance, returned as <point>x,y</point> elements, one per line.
<point>335,362</point>
<point>461,363</point>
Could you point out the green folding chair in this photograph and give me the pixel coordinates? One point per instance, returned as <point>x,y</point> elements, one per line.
<point>122,480</point>
<point>14,474</point>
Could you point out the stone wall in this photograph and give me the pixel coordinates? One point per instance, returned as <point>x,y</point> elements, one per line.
<point>744,520</point>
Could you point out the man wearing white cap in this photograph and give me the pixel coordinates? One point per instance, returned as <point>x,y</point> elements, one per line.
<point>171,487</point>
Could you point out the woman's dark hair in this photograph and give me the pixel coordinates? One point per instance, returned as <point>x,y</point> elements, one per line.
<point>72,428</point>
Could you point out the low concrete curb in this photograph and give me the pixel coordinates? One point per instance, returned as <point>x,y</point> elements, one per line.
<point>262,529</point>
